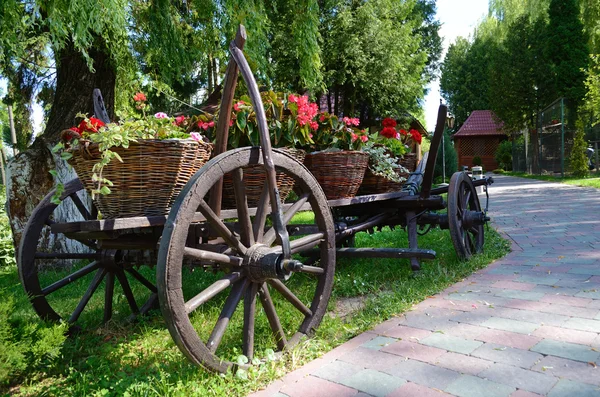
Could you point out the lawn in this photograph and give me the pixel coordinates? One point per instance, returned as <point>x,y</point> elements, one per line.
<point>140,359</point>
<point>591,181</point>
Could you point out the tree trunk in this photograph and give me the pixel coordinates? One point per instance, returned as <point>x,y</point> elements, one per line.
<point>28,173</point>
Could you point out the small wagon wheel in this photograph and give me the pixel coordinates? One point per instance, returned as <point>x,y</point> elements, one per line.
<point>51,290</point>
<point>464,216</point>
<point>247,262</point>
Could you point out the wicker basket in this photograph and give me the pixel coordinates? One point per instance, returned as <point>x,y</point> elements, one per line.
<point>409,161</point>
<point>374,184</point>
<point>339,173</point>
<point>147,182</point>
<point>255,178</point>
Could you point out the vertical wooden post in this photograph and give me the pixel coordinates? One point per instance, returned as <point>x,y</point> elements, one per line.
<point>13,133</point>
<point>222,132</point>
<point>2,166</point>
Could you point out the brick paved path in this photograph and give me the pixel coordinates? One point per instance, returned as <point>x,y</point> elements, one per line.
<point>527,325</point>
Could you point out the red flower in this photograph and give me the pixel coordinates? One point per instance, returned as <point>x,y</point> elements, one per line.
<point>364,138</point>
<point>416,136</point>
<point>403,132</point>
<point>179,120</point>
<point>388,132</point>
<point>139,97</point>
<point>314,125</point>
<point>90,126</point>
<point>354,137</point>
<point>389,122</point>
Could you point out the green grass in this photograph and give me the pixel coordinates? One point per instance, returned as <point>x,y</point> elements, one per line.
<point>591,181</point>
<point>140,359</point>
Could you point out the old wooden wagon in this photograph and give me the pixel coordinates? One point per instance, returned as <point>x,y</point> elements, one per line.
<point>280,253</point>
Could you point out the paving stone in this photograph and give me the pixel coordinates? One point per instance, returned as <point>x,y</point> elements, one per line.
<point>564,368</point>
<point>511,339</point>
<point>413,390</point>
<point>373,382</point>
<point>407,333</point>
<point>337,370</point>
<point>507,355</point>
<point>593,293</point>
<point>471,386</point>
<point>451,343</point>
<point>570,388</point>
<point>529,316</point>
<point>414,350</point>
<point>583,324</point>
<point>312,386</point>
<point>583,312</point>
<point>463,363</point>
<point>479,298</point>
<point>384,326</point>
<point>435,319</point>
<point>369,358</point>
<point>378,342</point>
<point>523,393</point>
<point>463,330</point>
<point>447,303</point>
<point>591,270</point>
<point>423,373</point>
<point>510,270</point>
<point>505,324</point>
<point>514,285</point>
<point>474,318</point>
<point>566,350</point>
<point>566,335</point>
<point>549,280</point>
<point>520,378</point>
<point>525,295</point>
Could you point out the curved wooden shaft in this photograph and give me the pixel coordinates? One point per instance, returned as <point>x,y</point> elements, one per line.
<point>267,150</point>
<point>435,145</point>
<point>222,129</point>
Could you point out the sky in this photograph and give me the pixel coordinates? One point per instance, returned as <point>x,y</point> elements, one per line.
<point>458,18</point>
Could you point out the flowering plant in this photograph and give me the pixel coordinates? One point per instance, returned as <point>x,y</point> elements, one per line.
<point>141,127</point>
<point>334,133</point>
<point>290,120</point>
<point>407,138</point>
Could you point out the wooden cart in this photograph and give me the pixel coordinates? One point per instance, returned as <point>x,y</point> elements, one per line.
<point>280,253</point>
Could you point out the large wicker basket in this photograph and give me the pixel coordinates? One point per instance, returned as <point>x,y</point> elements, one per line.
<point>374,184</point>
<point>147,182</point>
<point>339,173</point>
<point>409,161</point>
<point>255,178</point>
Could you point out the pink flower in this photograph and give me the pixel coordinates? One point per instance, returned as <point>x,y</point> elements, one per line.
<point>161,115</point>
<point>364,138</point>
<point>236,106</point>
<point>314,125</point>
<point>211,124</point>
<point>205,126</point>
<point>179,120</point>
<point>196,136</point>
<point>354,137</point>
<point>351,121</point>
<point>231,123</point>
<point>292,98</point>
<point>322,118</point>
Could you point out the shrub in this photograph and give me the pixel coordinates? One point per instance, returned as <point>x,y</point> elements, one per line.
<point>498,171</point>
<point>504,155</point>
<point>578,160</point>
<point>25,347</point>
<point>7,250</point>
<point>477,161</point>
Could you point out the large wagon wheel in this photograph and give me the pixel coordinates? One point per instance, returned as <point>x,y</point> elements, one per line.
<point>247,262</point>
<point>51,287</point>
<point>464,216</point>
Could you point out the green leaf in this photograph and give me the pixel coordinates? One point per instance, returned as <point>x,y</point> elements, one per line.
<point>66,155</point>
<point>53,173</point>
<point>57,147</point>
<point>241,359</point>
<point>241,120</point>
<point>104,190</point>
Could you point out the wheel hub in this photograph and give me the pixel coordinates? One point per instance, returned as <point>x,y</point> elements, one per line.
<point>262,263</point>
<point>473,218</point>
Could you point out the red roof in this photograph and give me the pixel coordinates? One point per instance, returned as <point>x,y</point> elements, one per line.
<point>481,122</point>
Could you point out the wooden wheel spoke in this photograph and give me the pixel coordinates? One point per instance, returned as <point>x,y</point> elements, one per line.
<point>49,222</point>
<point>228,308</point>
<point>109,289</point>
<point>249,316</point>
<point>267,303</point>
<point>204,255</point>
<point>270,235</point>
<point>289,295</point>
<point>80,206</point>
<point>88,294</point>
<point>220,228</point>
<point>211,291</point>
<point>241,203</point>
<point>70,278</point>
<point>306,243</point>
<point>261,214</point>
<point>142,279</point>
<point>127,291</point>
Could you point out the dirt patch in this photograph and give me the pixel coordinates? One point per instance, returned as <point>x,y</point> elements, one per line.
<point>345,307</point>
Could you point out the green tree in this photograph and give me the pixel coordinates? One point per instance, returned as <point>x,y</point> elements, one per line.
<point>578,161</point>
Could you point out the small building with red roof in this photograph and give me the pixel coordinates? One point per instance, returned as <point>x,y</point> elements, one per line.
<point>480,136</point>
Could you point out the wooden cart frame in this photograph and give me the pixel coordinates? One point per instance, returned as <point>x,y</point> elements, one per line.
<point>255,250</point>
